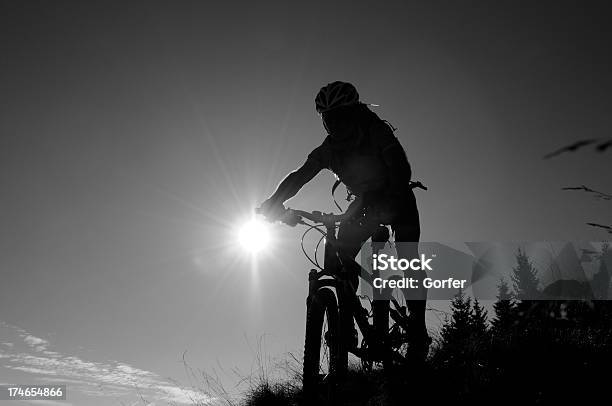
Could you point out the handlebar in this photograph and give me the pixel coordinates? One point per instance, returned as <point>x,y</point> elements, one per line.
<point>292,217</point>
<point>314,216</point>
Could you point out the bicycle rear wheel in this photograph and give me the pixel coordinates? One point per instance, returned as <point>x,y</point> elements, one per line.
<point>325,356</point>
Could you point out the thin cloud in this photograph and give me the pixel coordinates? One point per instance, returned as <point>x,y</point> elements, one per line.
<point>104,379</point>
<point>37,343</point>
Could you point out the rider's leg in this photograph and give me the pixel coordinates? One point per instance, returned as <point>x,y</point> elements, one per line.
<point>407,234</point>
<point>406,237</point>
<point>351,236</point>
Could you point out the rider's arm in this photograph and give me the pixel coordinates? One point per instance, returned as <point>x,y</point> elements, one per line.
<point>317,160</point>
<point>295,180</point>
<point>394,156</point>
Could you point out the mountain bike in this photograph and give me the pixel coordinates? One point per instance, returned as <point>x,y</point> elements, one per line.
<point>333,309</point>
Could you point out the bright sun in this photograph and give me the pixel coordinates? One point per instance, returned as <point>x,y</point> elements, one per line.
<point>254,236</point>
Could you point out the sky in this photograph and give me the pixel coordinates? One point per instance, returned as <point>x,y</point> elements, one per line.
<point>136,136</point>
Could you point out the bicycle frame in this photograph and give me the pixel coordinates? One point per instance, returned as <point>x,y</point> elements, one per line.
<point>349,306</point>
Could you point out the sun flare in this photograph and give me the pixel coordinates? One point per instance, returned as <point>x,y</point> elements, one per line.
<point>254,236</point>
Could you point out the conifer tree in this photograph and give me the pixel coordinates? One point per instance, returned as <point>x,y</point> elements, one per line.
<point>456,331</point>
<point>524,278</point>
<point>504,310</point>
<point>479,321</point>
<point>601,279</point>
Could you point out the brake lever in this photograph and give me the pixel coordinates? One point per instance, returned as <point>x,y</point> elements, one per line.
<point>291,219</point>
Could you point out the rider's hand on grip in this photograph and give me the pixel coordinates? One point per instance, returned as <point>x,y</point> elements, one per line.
<point>271,210</point>
<point>287,216</point>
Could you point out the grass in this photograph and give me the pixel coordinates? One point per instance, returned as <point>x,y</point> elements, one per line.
<point>536,368</point>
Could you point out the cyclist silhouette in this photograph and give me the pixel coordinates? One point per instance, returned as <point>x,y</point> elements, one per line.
<point>365,155</point>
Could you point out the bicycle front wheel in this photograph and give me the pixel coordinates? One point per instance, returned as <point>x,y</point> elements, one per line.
<point>323,349</point>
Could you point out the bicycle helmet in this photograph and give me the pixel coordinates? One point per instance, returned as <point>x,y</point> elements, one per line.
<point>334,95</point>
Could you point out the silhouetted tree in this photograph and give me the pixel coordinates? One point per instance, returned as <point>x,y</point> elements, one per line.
<point>601,279</point>
<point>456,344</point>
<point>465,349</point>
<point>524,278</point>
<point>479,321</point>
<point>504,310</point>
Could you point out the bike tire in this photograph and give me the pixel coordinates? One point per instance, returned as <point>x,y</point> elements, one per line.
<point>322,306</point>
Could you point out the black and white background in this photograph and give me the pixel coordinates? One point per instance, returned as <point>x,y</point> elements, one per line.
<point>136,136</point>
